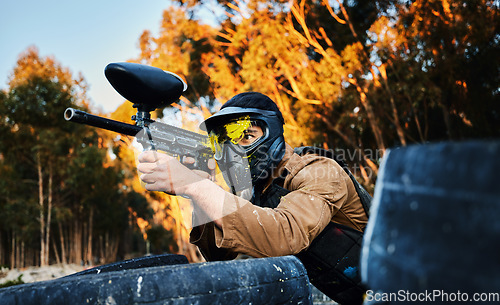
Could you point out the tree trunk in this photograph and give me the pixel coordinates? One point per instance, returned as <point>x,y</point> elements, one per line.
<point>89,239</point>
<point>84,242</point>
<point>114,251</point>
<point>2,258</point>
<point>18,255</point>
<point>102,258</point>
<point>397,123</point>
<point>350,142</point>
<point>42,214</point>
<point>49,216</point>
<point>77,243</point>
<point>58,259</point>
<point>372,119</point>
<point>13,251</point>
<point>21,258</point>
<point>447,121</point>
<point>70,248</point>
<point>110,247</point>
<point>64,259</point>
<point>106,246</point>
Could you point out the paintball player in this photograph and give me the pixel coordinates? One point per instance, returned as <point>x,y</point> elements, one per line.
<point>280,201</point>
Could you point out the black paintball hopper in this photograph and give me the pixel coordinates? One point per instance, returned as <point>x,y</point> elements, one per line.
<point>145,86</point>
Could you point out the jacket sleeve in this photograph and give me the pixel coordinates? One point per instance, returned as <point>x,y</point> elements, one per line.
<point>203,236</point>
<point>318,191</point>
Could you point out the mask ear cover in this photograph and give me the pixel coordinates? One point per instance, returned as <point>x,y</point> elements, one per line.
<point>264,158</point>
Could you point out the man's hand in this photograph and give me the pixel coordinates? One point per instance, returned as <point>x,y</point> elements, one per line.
<point>165,173</point>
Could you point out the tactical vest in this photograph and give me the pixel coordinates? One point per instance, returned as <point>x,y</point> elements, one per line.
<point>332,259</point>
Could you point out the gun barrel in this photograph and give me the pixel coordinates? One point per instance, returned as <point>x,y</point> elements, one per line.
<point>83,117</point>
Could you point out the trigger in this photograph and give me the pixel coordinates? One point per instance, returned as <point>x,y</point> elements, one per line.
<point>190,165</point>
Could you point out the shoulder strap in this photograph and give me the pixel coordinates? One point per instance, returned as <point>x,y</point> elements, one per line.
<point>364,196</point>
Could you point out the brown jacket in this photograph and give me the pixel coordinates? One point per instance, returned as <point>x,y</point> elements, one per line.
<point>321,192</point>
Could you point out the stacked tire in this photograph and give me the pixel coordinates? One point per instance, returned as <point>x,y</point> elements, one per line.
<point>281,280</point>
<point>435,225</point>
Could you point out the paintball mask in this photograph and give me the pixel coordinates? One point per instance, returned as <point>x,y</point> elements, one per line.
<point>245,165</point>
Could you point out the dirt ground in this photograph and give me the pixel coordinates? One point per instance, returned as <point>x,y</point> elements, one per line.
<point>36,274</point>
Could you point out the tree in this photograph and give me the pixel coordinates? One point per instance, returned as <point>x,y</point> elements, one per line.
<point>357,75</point>
<point>61,175</point>
<point>457,46</point>
<point>39,94</point>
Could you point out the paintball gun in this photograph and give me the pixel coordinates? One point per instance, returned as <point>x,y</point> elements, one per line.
<point>149,88</point>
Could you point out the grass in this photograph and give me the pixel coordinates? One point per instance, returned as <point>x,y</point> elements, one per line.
<point>17,281</point>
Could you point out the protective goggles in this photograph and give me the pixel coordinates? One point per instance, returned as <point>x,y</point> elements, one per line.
<point>235,132</point>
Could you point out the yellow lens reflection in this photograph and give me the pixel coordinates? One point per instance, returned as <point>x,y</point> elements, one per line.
<point>215,144</point>
<point>233,131</point>
<point>236,130</point>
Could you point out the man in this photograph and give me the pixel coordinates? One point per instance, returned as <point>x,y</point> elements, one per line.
<point>280,201</point>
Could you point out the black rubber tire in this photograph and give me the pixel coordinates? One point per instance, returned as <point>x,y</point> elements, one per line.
<point>281,280</point>
<point>434,223</point>
<point>137,263</point>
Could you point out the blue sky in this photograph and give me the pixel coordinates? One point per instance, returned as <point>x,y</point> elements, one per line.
<point>83,36</point>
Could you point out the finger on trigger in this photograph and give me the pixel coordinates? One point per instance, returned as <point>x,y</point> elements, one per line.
<point>188,160</point>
